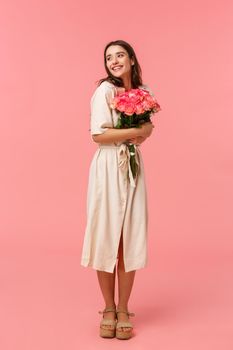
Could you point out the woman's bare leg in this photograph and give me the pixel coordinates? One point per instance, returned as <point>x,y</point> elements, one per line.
<point>125,284</point>
<point>107,286</point>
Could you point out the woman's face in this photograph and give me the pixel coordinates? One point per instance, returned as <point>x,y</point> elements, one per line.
<point>118,61</point>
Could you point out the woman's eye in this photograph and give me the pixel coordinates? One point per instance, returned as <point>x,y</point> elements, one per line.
<point>121,54</point>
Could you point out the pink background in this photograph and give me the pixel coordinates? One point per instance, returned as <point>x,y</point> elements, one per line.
<point>51,56</point>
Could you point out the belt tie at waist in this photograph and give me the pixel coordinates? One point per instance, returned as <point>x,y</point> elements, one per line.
<point>124,160</point>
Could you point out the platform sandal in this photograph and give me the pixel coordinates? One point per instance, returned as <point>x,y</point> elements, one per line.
<point>121,334</point>
<point>108,332</point>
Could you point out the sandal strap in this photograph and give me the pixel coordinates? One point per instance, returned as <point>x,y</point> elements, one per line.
<point>125,312</point>
<point>106,322</point>
<point>107,310</point>
<point>124,324</point>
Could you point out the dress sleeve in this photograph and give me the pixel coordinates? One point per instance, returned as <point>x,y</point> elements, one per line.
<point>101,113</point>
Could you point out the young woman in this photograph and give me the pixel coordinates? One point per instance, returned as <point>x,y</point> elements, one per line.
<point>117,217</point>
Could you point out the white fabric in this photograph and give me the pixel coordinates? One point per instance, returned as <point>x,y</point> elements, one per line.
<point>115,204</point>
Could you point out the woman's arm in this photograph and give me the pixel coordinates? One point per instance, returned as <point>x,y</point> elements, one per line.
<point>115,135</point>
<point>118,135</point>
<point>139,139</point>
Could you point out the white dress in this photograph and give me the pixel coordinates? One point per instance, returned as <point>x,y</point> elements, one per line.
<point>115,204</point>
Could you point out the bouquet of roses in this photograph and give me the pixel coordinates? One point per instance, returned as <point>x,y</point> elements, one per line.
<point>136,107</point>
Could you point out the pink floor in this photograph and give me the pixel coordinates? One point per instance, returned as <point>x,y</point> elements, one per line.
<point>52,303</point>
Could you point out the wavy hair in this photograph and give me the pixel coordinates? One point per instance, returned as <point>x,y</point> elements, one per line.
<point>136,72</point>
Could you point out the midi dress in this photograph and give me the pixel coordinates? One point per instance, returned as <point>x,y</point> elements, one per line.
<point>116,202</point>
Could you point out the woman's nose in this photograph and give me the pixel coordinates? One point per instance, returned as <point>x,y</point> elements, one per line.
<point>115,59</point>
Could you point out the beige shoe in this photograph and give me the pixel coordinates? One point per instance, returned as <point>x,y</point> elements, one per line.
<point>110,331</point>
<point>123,334</point>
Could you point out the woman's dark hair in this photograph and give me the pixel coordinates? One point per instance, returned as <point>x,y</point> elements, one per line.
<point>136,71</point>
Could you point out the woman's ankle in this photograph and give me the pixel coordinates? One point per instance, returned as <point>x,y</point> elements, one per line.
<point>111,305</point>
<point>122,307</point>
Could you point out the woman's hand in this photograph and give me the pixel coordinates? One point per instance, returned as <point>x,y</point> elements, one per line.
<point>146,129</point>
<point>137,140</point>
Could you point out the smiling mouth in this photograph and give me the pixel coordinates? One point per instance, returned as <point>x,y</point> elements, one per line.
<point>115,69</point>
